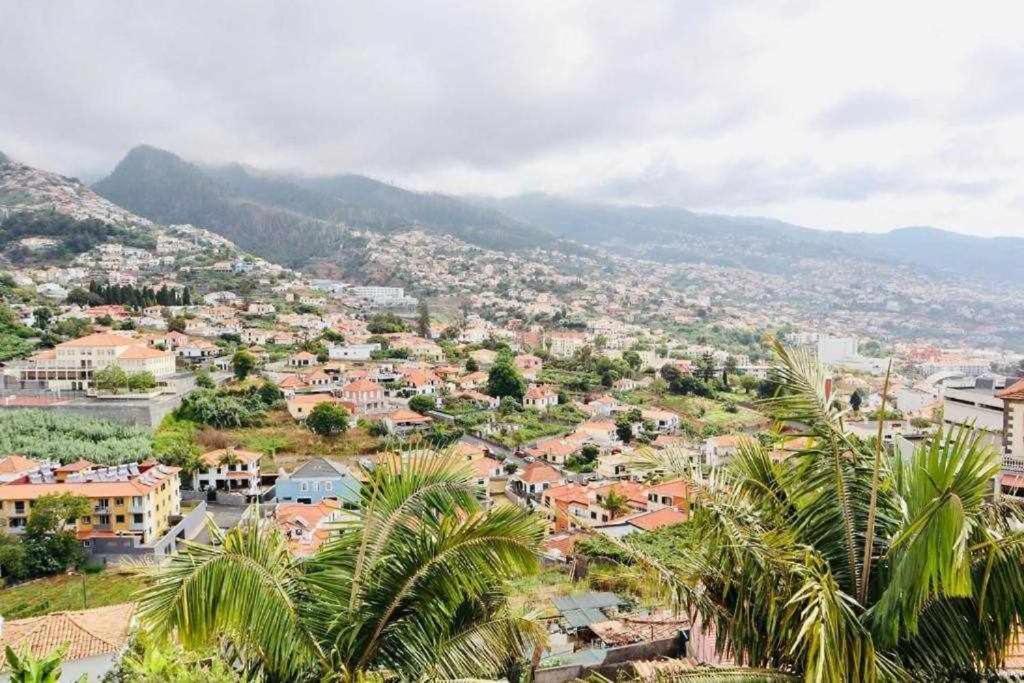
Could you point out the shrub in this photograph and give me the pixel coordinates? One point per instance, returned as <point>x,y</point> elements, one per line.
<point>327,419</point>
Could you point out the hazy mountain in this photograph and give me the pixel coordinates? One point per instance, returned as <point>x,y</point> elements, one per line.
<point>674,234</point>
<point>292,218</point>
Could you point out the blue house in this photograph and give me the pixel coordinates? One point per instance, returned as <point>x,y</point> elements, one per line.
<point>317,479</point>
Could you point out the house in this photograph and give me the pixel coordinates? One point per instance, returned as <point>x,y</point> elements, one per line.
<point>484,358</point>
<point>602,406</point>
<point>1013,432</point>
<point>669,494</point>
<point>367,396</point>
<point>614,465</point>
<point>482,400</point>
<point>601,432</point>
<point>565,504</point>
<point>422,382</point>
<point>529,365</point>
<point>555,450</point>
<point>486,469</point>
<point>316,480</point>
<point>472,380</point>
<point>259,308</point>
<point>94,639</point>
<point>301,405</point>
<point>718,450</point>
<point>352,351</point>
<point>664,421</point>
<point>16,466</point>
<point>136,499</point>
<point>565,344</point>
<point>302,359</point>
<point>307,526</point>
<point>635,496</point>
<point>540,397</point>
<point>228,469</point>
<point>533,479</point>
<point>405,421</point>
<point>197,349</point>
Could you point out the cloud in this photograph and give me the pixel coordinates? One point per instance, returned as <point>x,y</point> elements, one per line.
<point>816,112</point>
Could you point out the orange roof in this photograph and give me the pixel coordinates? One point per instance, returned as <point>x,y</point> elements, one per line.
<point>408,416</point>
<point>569,493</point>
<point>98,339</point>
<point>675,488</point>
<point>361,385</point>
<point>485,465</point>
<point>540,391</point>
<point>312,399</point>
<point>135,486</point>
<point>418,378</point>
<point>291,381</point>
<point>537,472</point>
<point>139,352</point>
<point>563,543</point>
<point>76,466</point>
<point>86,633</point>
<point>1014,392</point>
<point>657,519</point>
<point>555,447</point>
<point>213,458</point>
<point>14,464</point>
<point>304,355</point>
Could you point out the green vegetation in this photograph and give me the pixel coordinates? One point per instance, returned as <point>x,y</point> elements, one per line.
<point>327,419</point>
<point>504,379</point>
<point>518,427</point>
<point>243,364</point>
<point>386,323</point>
<point>422,404</point>
<point>890,566</point>
<point>417,585</point>
<point>53,435</point>
<point>66,592</point>
<point>241,407</point>
<point>114,379</point>
<point>14,341</point>
<point>72,236</point>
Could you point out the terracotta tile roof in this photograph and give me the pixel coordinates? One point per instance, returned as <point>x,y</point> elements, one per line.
<point>485,466</point>
<point>139,352</point>
<point>569,493</point>
<point>540,391</point>
<point>408,416</point>
<point>633,491</point>
<point>657,519</point>
<point>537,472</point>
<point>14,464</point>
<point>87,633</point>
<point>361,385</point>
<point>1014,392</point>
<point>98,339</point>
<point>676,487</point>
<point>76,466</point>
<point>563,543</point>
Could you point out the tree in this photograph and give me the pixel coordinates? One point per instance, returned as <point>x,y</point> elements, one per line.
<point>504,379</point>
<point>111,378</point>
<point>624,429</point>
<point>143,380</point>
<point>729,368</point>
<point>332,336</point>
<point>615,503</point>
<point>422,404</point>
<point>177,324</point>
<point>472,365</point>
<point>12,557</point>
<point>386,323</point>
<point>855,401</point>
<point>42,316</point>
<point>49,546</point>
<point>889,564</point>
<point>243,363</point>
<point>204,380</point>
<point>417,585</point>
<point>748,383</point>
<point>327,419</point>
<point>706,366</point>
<point>423,319</point>
<point>632,359</point>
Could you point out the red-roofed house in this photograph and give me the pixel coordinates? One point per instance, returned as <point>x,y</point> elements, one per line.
<point>533,479</point>
<point>649,521</point>
<point>367,396</point>
<point>405,421</point>
<point>307,526</point>
<point>669,494</point>
<point>1013,429</point>
<point>540,397</point>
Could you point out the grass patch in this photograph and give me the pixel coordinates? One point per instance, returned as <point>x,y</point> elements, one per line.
<point>64,592</point>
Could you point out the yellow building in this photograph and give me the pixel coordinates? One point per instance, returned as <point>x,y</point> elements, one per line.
<point>127,500</point>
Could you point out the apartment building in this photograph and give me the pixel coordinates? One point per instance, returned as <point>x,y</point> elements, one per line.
<point>71,365</point>
<point>127,500</point>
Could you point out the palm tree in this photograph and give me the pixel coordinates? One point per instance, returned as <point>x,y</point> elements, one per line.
<point>414,586</point>
<point>848,562</point>
<point>615,503</point>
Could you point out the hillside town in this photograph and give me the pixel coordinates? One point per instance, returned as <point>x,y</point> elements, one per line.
<point>274,395</point>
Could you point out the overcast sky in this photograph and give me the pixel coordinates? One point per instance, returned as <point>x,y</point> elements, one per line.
<point>853,115</point>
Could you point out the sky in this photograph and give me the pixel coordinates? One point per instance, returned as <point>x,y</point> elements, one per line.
<point>841,115</point>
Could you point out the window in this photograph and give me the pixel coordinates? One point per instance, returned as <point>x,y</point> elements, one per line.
<point>304,486</point>
<point>119,519</point>
<point>328,486</point>
<point>19,507</point>
<point>104,519</point>
<point>137,519</point>
<point>119,501</point>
